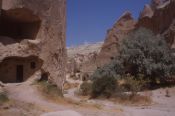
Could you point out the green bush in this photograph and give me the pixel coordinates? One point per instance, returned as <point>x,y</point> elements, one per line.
<point>144,53</point>
<point>106,85</point>
<point>113,69</point>
<point>85,88</point>
<point>141,52</point>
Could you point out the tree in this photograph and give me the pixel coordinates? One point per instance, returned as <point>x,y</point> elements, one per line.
<point>143,52</point>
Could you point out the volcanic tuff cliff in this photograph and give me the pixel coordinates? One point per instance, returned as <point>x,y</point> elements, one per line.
<point>32,34</point>
<point>121,28</point>
<point>159,17</point>
<point>82,58</point>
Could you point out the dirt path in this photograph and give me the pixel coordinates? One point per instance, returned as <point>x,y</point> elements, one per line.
<point>161,106</point>
<point>27,93</point>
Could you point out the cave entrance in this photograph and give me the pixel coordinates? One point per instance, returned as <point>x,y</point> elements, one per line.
<point>19,73</point>
<point>18,24</point>
<point>19,69</point>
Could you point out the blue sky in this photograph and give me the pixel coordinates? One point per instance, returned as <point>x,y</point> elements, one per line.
<point>88,20</point>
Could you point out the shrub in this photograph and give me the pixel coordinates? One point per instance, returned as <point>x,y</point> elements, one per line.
<point>144,53</point>
<point>85,88</point>
<point>68,85</point>
<point>113,69</point>
<point>134,84</point>
<point>49,89</point>
<point>141,52</point>
<point>105,85</point>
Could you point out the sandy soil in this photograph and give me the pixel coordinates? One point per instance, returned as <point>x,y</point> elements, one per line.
<point>27,93</point>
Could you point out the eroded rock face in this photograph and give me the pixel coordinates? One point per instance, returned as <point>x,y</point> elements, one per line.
<point>147,11</point>
<point>121,28</point>
<point>162,20</point>
<point>159,17</point>
<point>37,28</point>
<point>82,59</point>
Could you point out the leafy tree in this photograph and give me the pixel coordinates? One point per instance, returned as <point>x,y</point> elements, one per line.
<point>113,69</point>
<point>141,52</point>
<point>144,53</point>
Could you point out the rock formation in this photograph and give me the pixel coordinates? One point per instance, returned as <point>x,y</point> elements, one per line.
<point>147,12</point>
<point>109,49</point>
<point>81,59</point>
<point>161,19</point>
<point>32,38</point>
<point>121,28</point>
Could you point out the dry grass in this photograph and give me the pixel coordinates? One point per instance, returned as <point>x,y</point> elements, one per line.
<point>68,85</point>
<point>121,82</point>
<point>136,100</point>
<point>19,108</point>
<point>49,90</point>
<point>77,104</point>
<point>82,104</point>
<point>52,94</point>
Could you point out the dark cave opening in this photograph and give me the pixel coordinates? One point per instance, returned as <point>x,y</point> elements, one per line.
<point>18,24</point>
<point>18,69</point>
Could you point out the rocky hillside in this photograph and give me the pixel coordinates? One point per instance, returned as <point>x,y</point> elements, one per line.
<point>84,49</point>
<point>121,28</point>
<point>159,16</point>
<point>80,56</point>
<point>156,16</point>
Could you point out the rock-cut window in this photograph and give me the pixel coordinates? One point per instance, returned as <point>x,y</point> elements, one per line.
<point>33,65</point>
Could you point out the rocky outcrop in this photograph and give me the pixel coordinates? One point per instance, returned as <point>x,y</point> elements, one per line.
<point>158,17</point>
<point>37,28</point>
<point>155,3</point>
<point>162,19</point>
<point>121,28</point>
<point>147,12</point>
<point>82,59</point>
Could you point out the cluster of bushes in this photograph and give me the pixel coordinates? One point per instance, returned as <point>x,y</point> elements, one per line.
<point>144,58</point>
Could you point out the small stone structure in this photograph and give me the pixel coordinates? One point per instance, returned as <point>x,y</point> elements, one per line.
<point>32,38</point>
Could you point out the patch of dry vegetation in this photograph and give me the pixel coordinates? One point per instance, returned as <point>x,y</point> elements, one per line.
<point>68,85</point>
<point>9,107</point>
<point>136,100</point>
<point>49,90</point>
<point>126,91</point>
<point>3,98</point>
<point>51,93</point>
<point>19,108</point>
